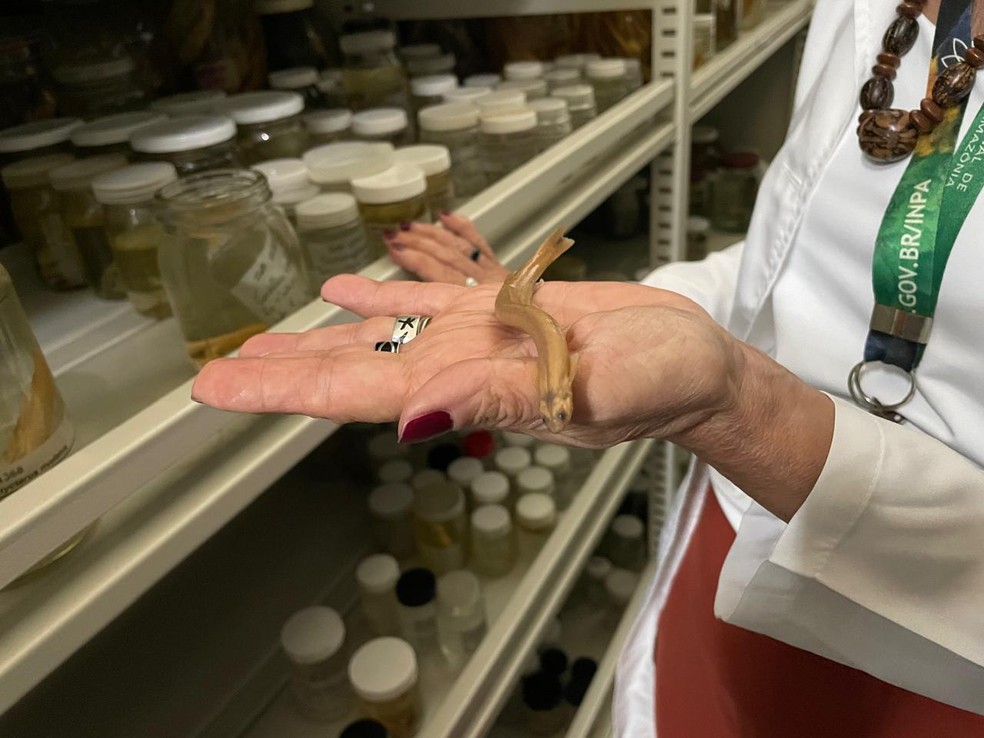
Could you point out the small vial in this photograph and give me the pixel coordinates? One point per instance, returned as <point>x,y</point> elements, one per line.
<point>416,593</point>
<point>439,524</point>
<point>501,101</point>
<point>492,540</point>
<point>558,460</point>
<point>534,89</point>
<point>460,615</point>
<point>425,477</point>
<point>518,439</point>
<point>535,479</point>
<point>627,542</point>
<point>562,77</point>
<point>580,102</point>
<point>536,515</point>
<point>523,70</point>
<point>382,124</point>
<point>575,61</point>
<point>383,674</point>
<point>595,574</point>
<point>511,461</point>
<point>620,584</point>
<point>391,506</point>
<point>490,488</point>
<point>384,446</point>
<point>328,126</point>
<point>543,699</point>
<point>465,470</point>
<point>312,638</point>
<point>377,576</point>
<point>552,635</point>
<point>364,728</point>
<point>553,661</point>
<point>466,94</point>
<point>395,471</point>
<point>482,80</point>
<point>582,672</point>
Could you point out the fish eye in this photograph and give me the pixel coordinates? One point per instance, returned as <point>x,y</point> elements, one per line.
<point>561,415</point>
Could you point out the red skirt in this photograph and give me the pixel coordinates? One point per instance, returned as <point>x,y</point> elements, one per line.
<point>715,680</point>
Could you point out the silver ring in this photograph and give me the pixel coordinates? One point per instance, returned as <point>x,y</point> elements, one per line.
<point>471,282</point>
<point>408,327</point>
<point>387,347</point>
<point>873,404</point>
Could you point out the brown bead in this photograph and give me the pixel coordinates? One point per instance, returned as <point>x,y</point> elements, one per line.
<point>922,121</point>
<point>931,110</point>
<point>887,135</point>
<point>979,42</point>
<point>953,85</point>
<point>974,57</point>
<point>889,60</point>
<point>883,70</point>
<point>909,9</point>
<point>901,35</point>
<point>877,93</point>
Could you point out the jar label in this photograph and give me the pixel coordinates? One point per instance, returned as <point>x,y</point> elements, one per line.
<point>17,470</point>
<point>273,287</point>
<point>342,256</point>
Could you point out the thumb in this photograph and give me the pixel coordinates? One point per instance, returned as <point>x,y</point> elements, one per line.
<point>482,392</point>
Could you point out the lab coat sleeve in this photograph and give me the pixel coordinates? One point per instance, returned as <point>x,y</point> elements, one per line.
<point>882,568</point>
<point>710,283</point>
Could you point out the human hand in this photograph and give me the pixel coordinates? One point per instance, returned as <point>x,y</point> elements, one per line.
<point>450,252</point>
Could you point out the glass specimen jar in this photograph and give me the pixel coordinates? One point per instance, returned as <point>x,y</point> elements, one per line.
<point>596,571</point>
<point>313,640</point>
<point>697,232</point>
<point>328,126</point>
<point>391,507</point>
<point>511,461</point>
<point>230,261</point>
<point>465,94</point>
<point>627,542</point>
<point>465,470</point>
<point>376,576</point>
<point>416,595</point>
<point>289,184</point>
<point>534,89</point>
<point>92,89</point>
<point>419,51</point>
<point>426,66</point>
<point>435,162</point>
<point>490,488</point>
<point>482,80</point>
<point>734,190</point>
<point>460,615</point>
<point>580,103</point>
<point>562,77</point>
<point>40,138</point>
<point>620,584</point>
<point>371,74</point>
<point>268,124</point>
<point>726,22</point>
<point>85,218</point>
<point>387,199</point>
<point>134,232</point>
<point>553,120</point>
<point>111,134</point>
<point>197,102</point>
<point>302,80</point>
<point>390,125</point>
<point>493,544</point>
<point>332,235</point>
<point>535,479</point>
<point>543,699</point>
<point>333,166</point>
<point>609,78</point>
<point>394,470</point>
<point>37,214</point>
<point>575,61</point>
<point>192,143</point>
<point>558,460</point>
<point>501,100</point>
<point>536,516</point>
<point>455,126</point>
<point>524,70</point>
<point>427,91</point>
<point>704,38</point>
<point>383,674</point>
<point>633,72</point>
<point>440,525</point>
<point>508,139</point>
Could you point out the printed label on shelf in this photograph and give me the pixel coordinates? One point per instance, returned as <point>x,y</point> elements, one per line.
<point>272,287</point>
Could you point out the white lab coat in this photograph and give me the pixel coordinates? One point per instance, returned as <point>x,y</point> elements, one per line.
<point>882,568</point>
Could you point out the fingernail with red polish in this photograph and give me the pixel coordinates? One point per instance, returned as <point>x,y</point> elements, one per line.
<point>426,426</point>
<point>405,225</point>
<point>389,233</point>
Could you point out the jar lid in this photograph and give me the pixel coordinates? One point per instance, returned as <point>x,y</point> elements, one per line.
<point>536,510</point>
<point>426,477</point>
<point>114,129</point>
<point>337,163</point>
<point>552,456</point>
<point>621,584</point>
<point>513,459</point>
<point>448,117</point>
<point>438,501</point>
<point>390,501</point>
<point>183,134</point>
<point>290,198</point>
<point>482,80</point>
<point>33,172</point>
<point>326,211</point>
<point>294,78</point>
<point>94,72</point>
<point>431,65</point>
<point>605,69</point>
<point>283,174</point>
<point>328,121</point>
<point>464,470</point>
<point>478,443</point>
<point>416,587</point>
<point>79,174</point>
<point>394,470</point>
<point>272,7</point>
<point>490,488</point>
<point>399,182</point>
<point>523,70</point>
<point>542,692</point>
<point>420,51</point>
<point>508,121</point>
<point>430,158</point>
<point>492,520</point>
<point>466,94</point>
<point>434,84</point>
<point>697,224</point>
<point>379,121</point>
<point>550,109</point>
<point>575,94</point>
<point>383,669</point>
<point>502,100</point>
<point>263,106</point>
<point>133,183</point>
<point>37,135</point>
<point>531,87</point>
<point>739,160</point>
<point>562,76</point>
<point>355,43</point>
<point>535,479</point>
<point>704,135</point>
<point>312,635</point>
<point>377,573</point>
<point>575,61</point>
<point>598,567</point>
<point>364,728</point>
<point>199,102</point>
<point>705,22</point>
<point>628,526</point>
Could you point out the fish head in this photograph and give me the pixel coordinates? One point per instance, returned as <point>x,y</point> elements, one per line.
<point>556,409</point>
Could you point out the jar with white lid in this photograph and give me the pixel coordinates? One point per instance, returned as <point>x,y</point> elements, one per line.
<point>507,140</point>
<point>620,585</point>
<point>383,674</point>
<point>289,184</point>
<point>268,124</point>
<point>493,542</point>
<point>416,596</point>
<point>536,515</point>
<point>698,230</point>
<point>332,235</point>
<point>92,89</point>
<point>466,95</point>
<point>423,478</point>
<point>230,261</point>
<point>328,126</point>
<point>135,233</point>
<point>382,125</point>
<point>440,526</point>
<point>534,89</point>
<point>460,615</point>
<point>500,101</point>
<point>333,166</point>
<point>85,218</point>
<point>302,80</point>
<point>523,70</point>
<point>627,542</point>
<point>580,103</point>
<point>575,61</point>
<point>313,640</point>
<point>633,72</point>
<point>464,470</point>
<point>391,508</point>
<point>111,134</point>
<point>553,120</point>
<point>43,137</point>
<point>482,80</point>
<point>398,195</point>
<point>376,576</point>
<point>430,90</point>
<point>596,571</point>
<point>490,488</point>
<point>192,143</point>
<point>511,461</point>
<point>558,460</point>
<point>426,66</point>
<point>37,213</point>
<point>609,78</point>
<point>455,125</point>
<point>536,479</point>
<point>562,77</point>
<point>371,74</point>
<point>394,470</point>
<point>419,51</point>
<point>197,102</point>
<point>435,162</point>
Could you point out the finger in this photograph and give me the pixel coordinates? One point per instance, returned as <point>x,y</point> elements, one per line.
<point>319,339</point>
<point>463,227</point>
<point>443,251</point>
<point>366,297</point>
<point>341,385</point>
<point>424,265</point>
<point>441,236</point>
